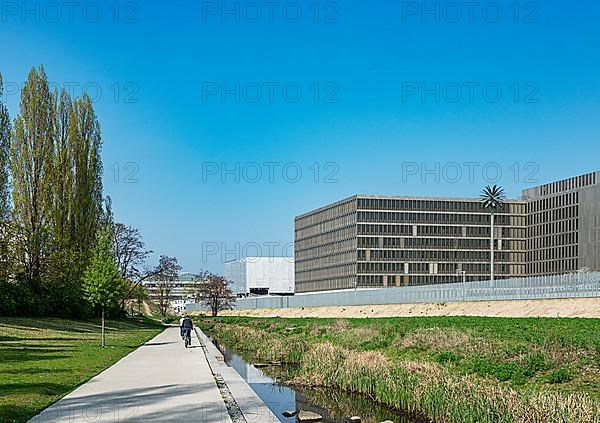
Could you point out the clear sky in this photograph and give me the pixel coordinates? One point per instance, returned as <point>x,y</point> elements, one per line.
<point>396,98</point>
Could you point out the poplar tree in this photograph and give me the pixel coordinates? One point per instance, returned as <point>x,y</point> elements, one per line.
<point>31,159</point>
<point>86,201</point>
<point>63,173</point>
<point>5,129</point>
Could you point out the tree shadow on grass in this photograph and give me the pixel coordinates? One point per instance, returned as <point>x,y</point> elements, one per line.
<point>10,338</point>
<point>33,371</point>
<point>35,388</point>
<point>17,355</point>
<point>59,325</point>
<point>17,413</point>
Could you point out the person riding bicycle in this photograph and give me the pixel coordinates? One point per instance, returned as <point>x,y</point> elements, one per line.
<point>181,326</point>
<point>186,327</point>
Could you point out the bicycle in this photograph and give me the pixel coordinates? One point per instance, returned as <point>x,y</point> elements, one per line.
<point>187,338</point>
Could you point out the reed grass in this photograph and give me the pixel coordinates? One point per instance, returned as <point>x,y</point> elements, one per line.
<point>422,388</point>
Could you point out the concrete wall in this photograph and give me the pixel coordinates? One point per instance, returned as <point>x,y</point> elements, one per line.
<point>581,285</point>
<point>235,272</point>
<point>589,228</point>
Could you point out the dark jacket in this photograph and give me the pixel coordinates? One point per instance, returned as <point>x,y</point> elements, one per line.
<point>187,323</point>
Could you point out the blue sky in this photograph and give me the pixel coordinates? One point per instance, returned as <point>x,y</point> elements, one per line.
<point>180,147</point>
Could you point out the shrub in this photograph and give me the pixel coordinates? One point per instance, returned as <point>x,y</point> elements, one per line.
<point>447,357</point>
<point>562,375</point>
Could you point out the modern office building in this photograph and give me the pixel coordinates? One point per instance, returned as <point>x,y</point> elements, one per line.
<point>563,226</point>
<point>261,275</point>
<point>369,241</point>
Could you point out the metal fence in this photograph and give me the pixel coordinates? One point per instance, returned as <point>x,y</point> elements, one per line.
<point>579,285</point>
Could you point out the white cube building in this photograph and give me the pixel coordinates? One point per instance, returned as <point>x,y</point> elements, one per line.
<point>261,275</point>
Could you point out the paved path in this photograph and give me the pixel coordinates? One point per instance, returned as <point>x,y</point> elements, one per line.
<point>159,382</point>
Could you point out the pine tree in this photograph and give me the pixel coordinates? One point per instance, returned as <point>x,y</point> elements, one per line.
<point>101,282</point>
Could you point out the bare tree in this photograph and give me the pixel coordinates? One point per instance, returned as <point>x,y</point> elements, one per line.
<point>163,296</point>
<point>130,250</point>
<point>215,292</point>
<point>166,275</point>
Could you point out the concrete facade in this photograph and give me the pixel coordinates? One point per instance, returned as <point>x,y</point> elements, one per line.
<point>261,275</point>
<point>370,241</point>
<point>564,225</point>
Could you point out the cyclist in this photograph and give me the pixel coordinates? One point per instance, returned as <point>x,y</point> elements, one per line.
<point>181,326</point>
<point>186,327</point>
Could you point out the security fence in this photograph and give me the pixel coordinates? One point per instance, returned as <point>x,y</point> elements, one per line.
<point>577,285</point>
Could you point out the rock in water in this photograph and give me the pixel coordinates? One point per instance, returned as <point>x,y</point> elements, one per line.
<point>309,416</point>
<point>289,413</point>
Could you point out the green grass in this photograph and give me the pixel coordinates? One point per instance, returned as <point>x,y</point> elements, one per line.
<point>520,351</point>
<point>525,359</point>
<point>43,359</point>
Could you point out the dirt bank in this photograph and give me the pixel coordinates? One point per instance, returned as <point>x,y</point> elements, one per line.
<point>579,307</point>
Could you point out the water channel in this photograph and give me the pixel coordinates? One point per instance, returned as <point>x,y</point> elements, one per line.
<point>335,406</point>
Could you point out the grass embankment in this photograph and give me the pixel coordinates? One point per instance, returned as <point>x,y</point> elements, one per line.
<point>41,360</point>
<point>447,369</point>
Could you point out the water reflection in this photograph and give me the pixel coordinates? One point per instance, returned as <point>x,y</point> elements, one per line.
<point>335,406</point>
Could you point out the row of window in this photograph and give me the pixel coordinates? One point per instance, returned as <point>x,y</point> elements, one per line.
<point>438,256</point>
<point>571,212</point>
<point>545,229</point>
<point>413,204</point>
<point>348,220</point>
<point>437,218</point>
<point>553,241</point>
<point>553,267</point>
<point>568,184</point>
<point>347,208</point>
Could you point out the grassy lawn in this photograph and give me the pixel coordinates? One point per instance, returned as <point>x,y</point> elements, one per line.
<point>43,359</point>
<point>516,356</point>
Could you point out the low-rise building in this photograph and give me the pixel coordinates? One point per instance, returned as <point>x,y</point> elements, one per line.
<point>261,275</point>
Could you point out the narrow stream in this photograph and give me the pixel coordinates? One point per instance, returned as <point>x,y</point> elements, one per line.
<point>335,406</point>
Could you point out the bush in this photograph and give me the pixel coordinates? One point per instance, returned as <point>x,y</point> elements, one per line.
<point>447,357</point>
<point>170,319</point>
<point>15,299</point>
<point>562,375</point>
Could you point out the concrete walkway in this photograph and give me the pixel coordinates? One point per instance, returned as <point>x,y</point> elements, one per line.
<point>159,382</point>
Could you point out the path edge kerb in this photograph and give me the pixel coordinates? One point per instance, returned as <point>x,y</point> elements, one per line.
<point>251,405</point>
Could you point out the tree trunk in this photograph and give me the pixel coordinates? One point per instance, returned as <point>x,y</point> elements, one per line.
<point>102,326</point>
<point>492,242</point>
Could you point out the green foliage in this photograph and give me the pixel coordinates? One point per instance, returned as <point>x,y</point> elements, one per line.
<point>447,357</point>
<point>102,284</point>
<point>32,174</point>
<point>561,375</point>
<point>52,157</point>
<point>5,128</point>
<point>451,369</point>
